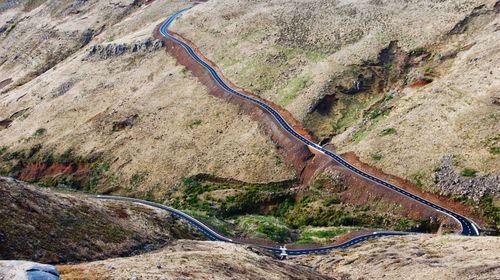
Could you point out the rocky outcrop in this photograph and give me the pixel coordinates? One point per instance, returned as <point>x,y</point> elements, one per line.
<point>9,4</point>
<point>112,50</point>
<point>452,183</point>
<point>27,270</point>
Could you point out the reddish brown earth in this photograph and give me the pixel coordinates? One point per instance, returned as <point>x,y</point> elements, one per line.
<point>36,171</point>
<point>306,163</point>
<point>420,83</point>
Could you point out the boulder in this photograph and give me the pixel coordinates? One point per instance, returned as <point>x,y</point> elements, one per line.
<point>25,270</point>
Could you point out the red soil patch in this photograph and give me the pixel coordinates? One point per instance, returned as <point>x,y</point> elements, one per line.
<point>421,83</point>
<point>36,171</point>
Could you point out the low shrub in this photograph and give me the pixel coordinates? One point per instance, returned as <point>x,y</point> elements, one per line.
<point>388,131</point>
<point>468,172</point>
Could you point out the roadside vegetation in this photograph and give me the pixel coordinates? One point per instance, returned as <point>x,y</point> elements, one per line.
<point>271,211</point>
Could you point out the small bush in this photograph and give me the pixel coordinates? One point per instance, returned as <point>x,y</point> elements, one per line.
<point>9,29</point>
<point>428,70</point>
<point>331,201</point>
<point>417,179</point>
<point>195,123</point>
<point>3,149</point>
<point>373,114</point>
<point>388,131</point>
<point>376,156</point>
<point>468,172</point>
<point>490,211</point>
<point>495,150</point>
<point>39,132</point>
<point>137,179</point>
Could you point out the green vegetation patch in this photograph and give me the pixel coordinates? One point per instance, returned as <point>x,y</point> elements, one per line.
<point>272,211</point>
<point>39,132</point>
<point>495,150</point>
<point>493,144</point>
<point>376,156</point>
<point>257,226</point>
<point>315,55</point>
<point>468,172</point>
<point>491,211</point>
<point>388,131</point>
<point>350,109</point>
<point>137,179</point>
<point>195,123</point>
<point>217,224</point>
<point>417,179</point>
<point>377,112</point>
<point>292,89</point>
<point>359,135</point>
<point>310,235</point>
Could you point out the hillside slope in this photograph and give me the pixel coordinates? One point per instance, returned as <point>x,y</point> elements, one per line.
<point>118,102</point>
<point>403,84</point>
<point>49,227</point>
<point>192,260</point>
<point>412,257</point>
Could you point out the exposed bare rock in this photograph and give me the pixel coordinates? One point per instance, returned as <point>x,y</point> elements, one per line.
<point>24,270</point>
<point>112,50</point>
<point>496,100</point>
<point>450,182</point>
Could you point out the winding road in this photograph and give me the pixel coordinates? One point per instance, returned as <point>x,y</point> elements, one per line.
<point>214,236</point>
<point>468,227</point>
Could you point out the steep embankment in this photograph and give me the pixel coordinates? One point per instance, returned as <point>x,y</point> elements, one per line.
<point>49,227</point>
